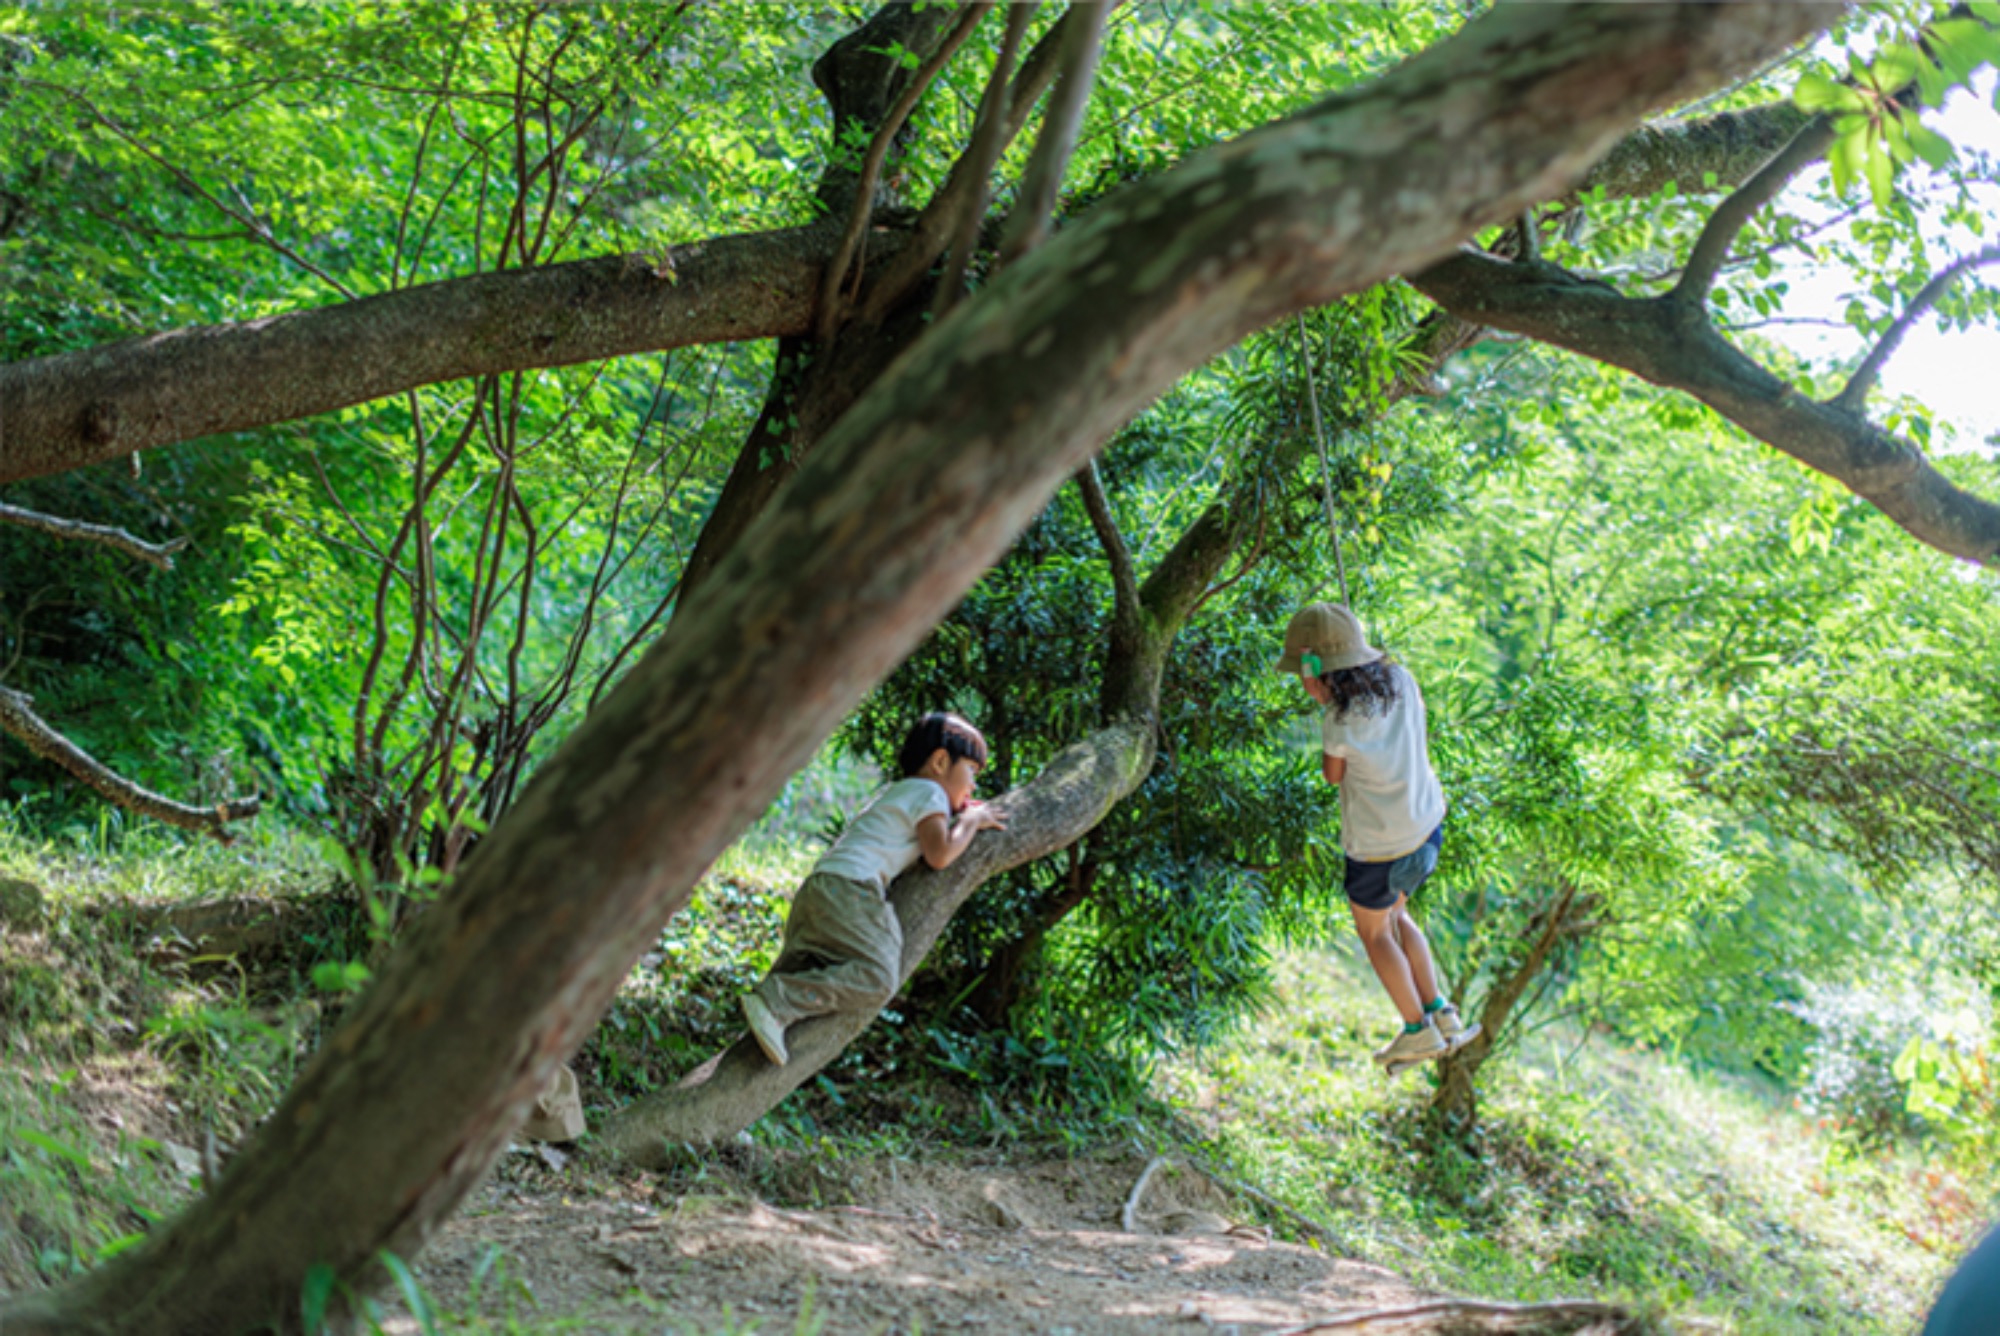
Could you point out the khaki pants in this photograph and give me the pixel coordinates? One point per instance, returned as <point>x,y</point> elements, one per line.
<point>843,951</point>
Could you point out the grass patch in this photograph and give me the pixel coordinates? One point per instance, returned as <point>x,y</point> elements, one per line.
<point>1596,1171</point>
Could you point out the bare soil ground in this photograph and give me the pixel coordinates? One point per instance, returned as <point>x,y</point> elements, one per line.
<point>1006,1247</point>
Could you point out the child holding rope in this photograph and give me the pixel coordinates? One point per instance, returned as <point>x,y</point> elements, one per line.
<point>1375,750</point>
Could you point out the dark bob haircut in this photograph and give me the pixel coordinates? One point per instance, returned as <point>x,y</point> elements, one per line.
<point>959,739</point>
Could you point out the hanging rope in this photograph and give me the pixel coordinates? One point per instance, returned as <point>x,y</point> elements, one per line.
<point>1325,469</point>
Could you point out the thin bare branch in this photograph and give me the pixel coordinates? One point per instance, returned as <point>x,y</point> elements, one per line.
<point>1036,202</point>
<point>259,230</point>
<point>1106,524</point>
<point>1469,1317</point>
<point>160,554</point>
<point>18,718</point>
<point>1854,397</point>
<point>871,167</point>
<point>990,137</point>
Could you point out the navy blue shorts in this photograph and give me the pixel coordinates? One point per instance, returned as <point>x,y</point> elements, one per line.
<point>1380,885</point>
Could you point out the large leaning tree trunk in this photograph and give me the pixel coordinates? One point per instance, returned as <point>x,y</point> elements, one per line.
<point>916,490</point>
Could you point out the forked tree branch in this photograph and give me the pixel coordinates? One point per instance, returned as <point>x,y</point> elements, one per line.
<point>153,554</point>
<point>1854,396</point>
<point>871,167</point>
<point>932,233</point>
<point>1036,201</point>
<point>990,137</point>
<point>18,718</point>
<point>1719,233</point>
<point>1677,346</point>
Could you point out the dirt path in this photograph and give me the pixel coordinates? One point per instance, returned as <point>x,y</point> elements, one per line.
<point>1011,1248</point>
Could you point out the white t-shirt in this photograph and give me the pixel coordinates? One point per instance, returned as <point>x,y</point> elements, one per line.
<point>1390,799</point>
<point>882,839</point>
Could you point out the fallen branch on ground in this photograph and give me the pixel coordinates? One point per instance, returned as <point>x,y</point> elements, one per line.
<point>18,718</point>
<point>1465,1317</point>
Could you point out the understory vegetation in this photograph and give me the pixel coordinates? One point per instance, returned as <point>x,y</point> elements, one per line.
<point>1685,1178</point>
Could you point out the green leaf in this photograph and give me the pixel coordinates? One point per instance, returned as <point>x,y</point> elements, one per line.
<point>413,1293</point>
<point>1929,145</point>
<point>54,1147</point>
<point>1896,66</point>
<point>1845,160</point>
<point>1905,1065</point>
<point>1816,92</point>
<point>1881,172</point>
<point>314,1295</point>
<point>119,1245</point>
<point>1895,139</point>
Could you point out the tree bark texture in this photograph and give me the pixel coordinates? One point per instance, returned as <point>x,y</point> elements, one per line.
<point>73,409</point>
<point>917,489</point>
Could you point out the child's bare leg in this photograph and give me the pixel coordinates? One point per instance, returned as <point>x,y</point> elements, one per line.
<point>1416,950</point>
<point>1378,933</point>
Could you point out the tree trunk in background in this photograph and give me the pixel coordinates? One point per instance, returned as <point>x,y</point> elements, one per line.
<point>1000,985</point>
<point>920,486</point>
<point>1457,1097</point>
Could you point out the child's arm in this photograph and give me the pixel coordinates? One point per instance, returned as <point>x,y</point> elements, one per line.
<point>1333,767</point>
<point>941,844</point>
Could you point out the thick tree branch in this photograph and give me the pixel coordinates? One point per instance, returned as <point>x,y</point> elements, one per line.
<point>1028,224</point>
<point>73,409</point>
<point>736,1087</point>
<point>1729,145</point>
<point>1672,345</point>
<point>153,554</point>
<point>1854,396</point>
<point>920,485</point>
<point>1128,288</point>
<point>18,718</point>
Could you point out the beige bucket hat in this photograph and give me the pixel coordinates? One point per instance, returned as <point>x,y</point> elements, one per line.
<point>1328,634</point>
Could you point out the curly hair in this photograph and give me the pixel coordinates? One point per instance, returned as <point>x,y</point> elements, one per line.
<point>1370,688</point>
